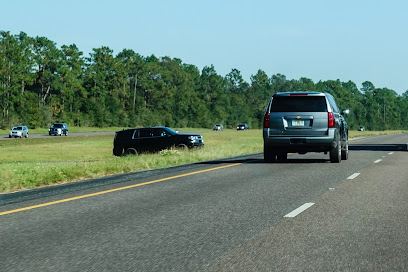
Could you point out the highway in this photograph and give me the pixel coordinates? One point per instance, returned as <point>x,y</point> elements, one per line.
<point>242,214</point>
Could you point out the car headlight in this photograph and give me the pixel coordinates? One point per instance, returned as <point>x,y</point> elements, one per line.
<point>192,138</point>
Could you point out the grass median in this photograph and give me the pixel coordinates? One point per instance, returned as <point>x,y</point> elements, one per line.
<point>31,163</point>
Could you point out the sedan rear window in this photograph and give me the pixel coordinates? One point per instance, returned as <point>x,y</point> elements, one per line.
<point>299,104</point>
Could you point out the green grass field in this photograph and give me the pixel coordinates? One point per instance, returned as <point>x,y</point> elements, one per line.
<point>354,134</point>
<point>31,163</point>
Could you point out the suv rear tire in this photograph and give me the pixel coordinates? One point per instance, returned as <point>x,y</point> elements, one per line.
<point>269,155</point>
<point>345,151</point>
<point>335,152</point>
<point>118,151</point>
<point>282,156</point>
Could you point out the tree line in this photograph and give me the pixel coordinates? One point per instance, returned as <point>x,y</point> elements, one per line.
<point>41,83</point>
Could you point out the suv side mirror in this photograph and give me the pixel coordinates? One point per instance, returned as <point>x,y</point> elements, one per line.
<point>345,112</point>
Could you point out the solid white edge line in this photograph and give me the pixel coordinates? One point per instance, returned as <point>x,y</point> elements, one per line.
<point>377,161</point>
<point>353,176</point>
<point>299,210</point>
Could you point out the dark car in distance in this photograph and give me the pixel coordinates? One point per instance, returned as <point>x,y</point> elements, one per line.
<point>152,139</point>
<point>301,122</point>
<point>58,129</point>
<point>242,127</point>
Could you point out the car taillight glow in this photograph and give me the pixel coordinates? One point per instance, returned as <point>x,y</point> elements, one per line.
<point>266,120</point>
<point>331,120</point>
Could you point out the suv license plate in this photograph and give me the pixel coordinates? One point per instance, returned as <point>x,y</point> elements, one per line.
<point>298,123</point>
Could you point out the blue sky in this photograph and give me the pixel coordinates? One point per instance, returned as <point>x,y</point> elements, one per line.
<point>347,40</point>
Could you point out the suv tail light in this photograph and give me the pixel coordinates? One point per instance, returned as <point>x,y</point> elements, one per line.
<point>331,120</point>
<point>266,120</point>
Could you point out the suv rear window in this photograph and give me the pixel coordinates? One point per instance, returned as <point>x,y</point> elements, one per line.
<point>299,104</point>
<point>145,133</point>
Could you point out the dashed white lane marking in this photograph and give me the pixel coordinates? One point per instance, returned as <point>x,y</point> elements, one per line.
<point>390,153</point>
<point>353,176</point>
<point>377,161</point>
<point>299,210</point>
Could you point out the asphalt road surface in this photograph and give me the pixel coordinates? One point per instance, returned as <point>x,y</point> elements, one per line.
<point>306,214</point>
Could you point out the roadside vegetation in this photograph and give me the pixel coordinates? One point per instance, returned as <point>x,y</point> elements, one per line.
<point>41,84</point>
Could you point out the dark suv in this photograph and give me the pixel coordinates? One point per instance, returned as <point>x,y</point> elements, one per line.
<point>302,122</point>
<point>58,129</point>
<point>152,139</point>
